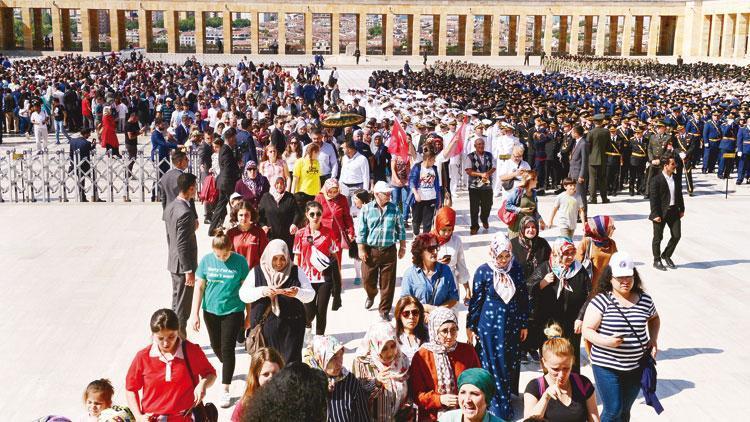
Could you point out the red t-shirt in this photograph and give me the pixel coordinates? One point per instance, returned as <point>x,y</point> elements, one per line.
<point>249,244</point>
<point>160,397</point>
<point>322,240</point>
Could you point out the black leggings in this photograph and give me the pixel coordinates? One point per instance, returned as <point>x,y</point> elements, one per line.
<point>222,332</point>
<point>318,307</point>
<point>423,212</point>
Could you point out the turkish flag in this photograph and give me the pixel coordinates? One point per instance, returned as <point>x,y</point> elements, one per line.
<point>399,143</point>
<point>458,140</point>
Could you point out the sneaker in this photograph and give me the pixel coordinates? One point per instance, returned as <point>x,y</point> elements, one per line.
<point>357,281</point>
<point>225,400</point>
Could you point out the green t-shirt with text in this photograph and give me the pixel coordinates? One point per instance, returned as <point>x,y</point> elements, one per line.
<point>223,281</point>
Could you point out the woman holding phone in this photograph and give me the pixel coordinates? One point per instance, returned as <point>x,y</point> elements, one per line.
<point>522,201</point>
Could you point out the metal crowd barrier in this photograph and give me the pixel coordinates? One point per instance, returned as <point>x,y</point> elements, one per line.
<point>52,176</point>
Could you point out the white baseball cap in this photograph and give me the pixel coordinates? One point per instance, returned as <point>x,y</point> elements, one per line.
<point>381,187</point>
<point>622,264</point>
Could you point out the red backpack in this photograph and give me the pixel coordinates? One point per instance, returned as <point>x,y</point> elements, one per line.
<point>209,194</point>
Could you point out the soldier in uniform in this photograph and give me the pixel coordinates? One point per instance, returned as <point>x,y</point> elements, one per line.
<point>694,128</point>
<point>614,160</point>
<point>624,132</point>
<point>685,145</point>
<point>743,153</point>
<point>566,146</point>
<point>711,138</point>
<point>598,138</point>
<point>637,162</point>
<point>656,147</point>
<point>727,146</point>
<point>675,118</point>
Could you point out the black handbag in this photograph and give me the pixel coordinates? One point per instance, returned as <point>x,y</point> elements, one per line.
<point>202,412</point>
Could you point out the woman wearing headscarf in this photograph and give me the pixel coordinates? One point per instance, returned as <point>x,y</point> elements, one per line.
<point>384,370</point>
<point>277,291</point>
<point>559,290</point>
<point>253,185</point>
<point>278,213</point>
<point>347,400</point>
<point>530,250</point>
<point>498,313</point>
<point>597,246</point>
<point>437,365</point>
<point>336,215</point>
<point>475,387</point>
<point>451,248</point>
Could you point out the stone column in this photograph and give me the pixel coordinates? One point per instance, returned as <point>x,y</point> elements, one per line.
<point>28,42</point>
<point>537,40</point>
<point>443,34</point>
<point>521,39</point>
<point>117,29</point>
<point>226,27</point>
<point>638,36</point>
<point>679,36</point>
<point>740,37</point>
<point>335,33</point>
<point>144,29</point>
<point>436,19</point>
<point>563,34</point>
<point>588,35</point>
<point>36,29</point>
<point>86,35</point>
<point>727,35</point>
<point>65,28</point>
<point>362,33</point>
<point>170,24</point>
<point>487,31</point>
<point>415,24</point>
<point>547,33</point>
<point>56,30</point>
<point>308,33</point>
<point>574,30</point>
<point>716,22</point>
<point>613,27</point>
<point>653,35</point>
<point>494,41</point>
<point>513,34</point>
<point>200,33</point>
<point>600,26</point>
<point>627,30</point>
<point>388,20</point>
<point>464,35</point>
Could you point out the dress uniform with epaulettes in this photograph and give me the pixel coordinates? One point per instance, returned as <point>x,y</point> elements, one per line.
<point>685,145</point>
<point>727,148</point>
<point>614,161</point>
<point>638,158</point>
<point>657,144</point>
<point>743,154</point>
<point>711,138</point>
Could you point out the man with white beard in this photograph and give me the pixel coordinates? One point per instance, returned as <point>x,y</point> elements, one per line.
<point>502,149</point>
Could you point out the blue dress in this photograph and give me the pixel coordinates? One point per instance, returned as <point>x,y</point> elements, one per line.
<point>497,326</point>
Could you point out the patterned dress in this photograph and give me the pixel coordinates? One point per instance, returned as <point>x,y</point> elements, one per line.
<point>497,326</point>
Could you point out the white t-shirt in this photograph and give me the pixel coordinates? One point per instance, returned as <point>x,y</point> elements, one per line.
<point>426,186</point>
<point>567,209</point>
<point>509,166</point>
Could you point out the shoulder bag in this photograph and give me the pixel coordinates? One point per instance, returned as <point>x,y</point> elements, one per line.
<point>508,184</point>
<point>647,364</point>
<point>508,217</point>
<point>201,412</point>
<point>254,339</point>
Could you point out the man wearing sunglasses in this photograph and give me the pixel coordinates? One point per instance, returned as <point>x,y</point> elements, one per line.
<point>381,227</point>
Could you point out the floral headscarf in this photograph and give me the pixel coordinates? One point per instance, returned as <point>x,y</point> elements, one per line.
<point>445,216</point>
<point>397,371</point>
<point>445,376</point>
<point>254,184</point>
<point>320,352</point>
<point>559,269</point>
<point>597,228</point>
<point>328,185</point>
<point>501,280</point>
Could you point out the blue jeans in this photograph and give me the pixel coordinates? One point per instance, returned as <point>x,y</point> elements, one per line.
<point>59,128</point>
<point>398,197</point>
<point>617,391</point>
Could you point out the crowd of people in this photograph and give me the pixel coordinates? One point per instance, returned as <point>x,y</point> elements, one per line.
<point>302,197</point>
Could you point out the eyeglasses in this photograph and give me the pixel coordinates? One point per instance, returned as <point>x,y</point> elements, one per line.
<point>411,313</point>
<point>315,214</point>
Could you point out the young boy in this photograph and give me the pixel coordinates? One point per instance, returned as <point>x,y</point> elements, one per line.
<point>570,206</point>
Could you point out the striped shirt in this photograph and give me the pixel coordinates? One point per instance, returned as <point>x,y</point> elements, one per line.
<point>380,229</point>
<point>348,401</point>
<point>625,357</point>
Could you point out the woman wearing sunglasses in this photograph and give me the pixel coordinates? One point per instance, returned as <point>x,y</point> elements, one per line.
<point>411,328</point>
<point>315,254</point>
<point>427,279</point>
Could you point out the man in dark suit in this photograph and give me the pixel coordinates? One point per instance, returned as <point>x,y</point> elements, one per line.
<point>183,248</point>
<point>82,147</point>
<point>667,208</point>
<point>182,133</point>
<point>229,174</point>
<point>579,167</point>
<point>278,140</point>
<point>597,140</point>
<point>168,189</point>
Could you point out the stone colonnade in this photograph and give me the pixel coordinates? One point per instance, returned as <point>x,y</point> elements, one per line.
<point>376,27</point>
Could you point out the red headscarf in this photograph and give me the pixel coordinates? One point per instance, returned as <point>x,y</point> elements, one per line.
<point>445,217</point>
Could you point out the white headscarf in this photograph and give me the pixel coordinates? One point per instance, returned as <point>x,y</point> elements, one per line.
<point>275,279</point>
<point>501,280</point>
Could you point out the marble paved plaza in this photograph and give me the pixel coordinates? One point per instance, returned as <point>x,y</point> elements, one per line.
<point>80,282</point>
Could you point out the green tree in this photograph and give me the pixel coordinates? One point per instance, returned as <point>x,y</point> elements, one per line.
<point>187,24</point>
<point>241,23</point>
<point>375,31</point>
<point>130,24</point>
<point>214,22</point>
<point>159,23</point>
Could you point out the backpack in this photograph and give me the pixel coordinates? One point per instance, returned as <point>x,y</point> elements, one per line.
<point>209,194</point>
